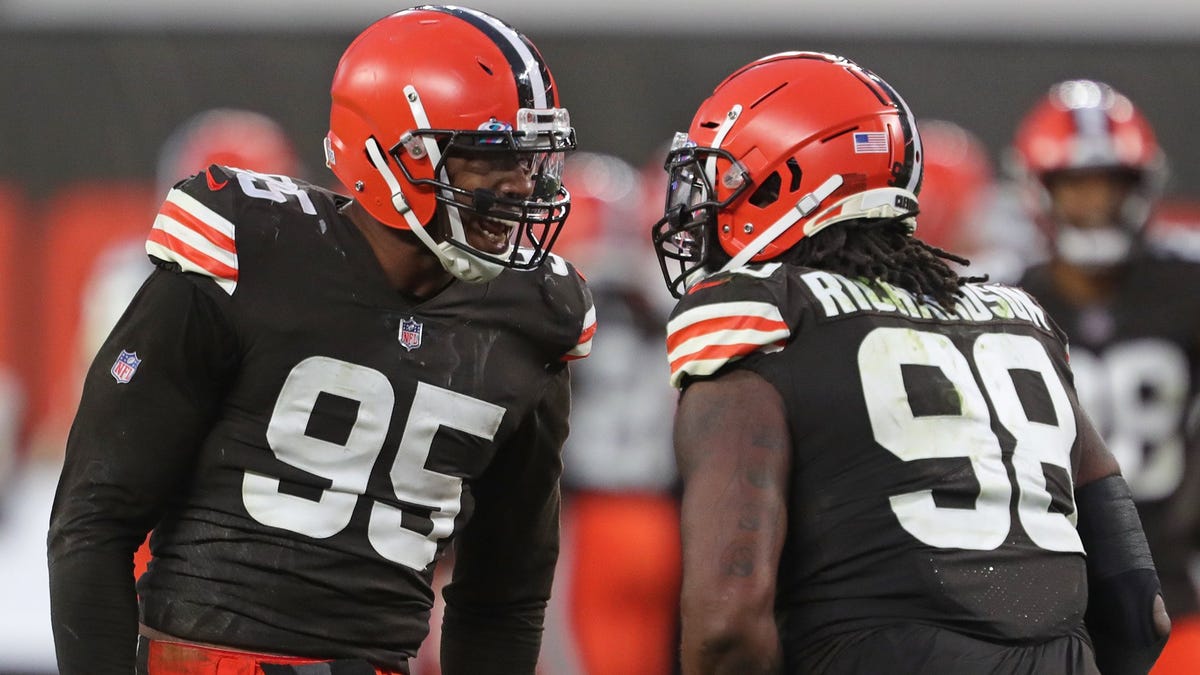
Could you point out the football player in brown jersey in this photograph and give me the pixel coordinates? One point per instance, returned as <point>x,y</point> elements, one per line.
<point>885,465</point>
<point>1092,173</point>
<point>314,394</point>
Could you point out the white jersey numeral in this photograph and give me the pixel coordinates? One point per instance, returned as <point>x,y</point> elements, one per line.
<point>273,187</point>
<point>345,466</point>
<point>432,408</point>
<point>969,434</point>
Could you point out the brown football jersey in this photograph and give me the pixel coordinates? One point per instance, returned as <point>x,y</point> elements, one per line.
<point>933,451</point>
<point>306,441</point>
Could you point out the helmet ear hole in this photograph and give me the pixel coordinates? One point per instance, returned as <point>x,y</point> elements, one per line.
<point>767,193</point>
<point>794,167</point>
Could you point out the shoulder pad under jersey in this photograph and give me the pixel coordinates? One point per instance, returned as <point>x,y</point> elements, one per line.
<point>725,318</point>
<point>203,217</point>
<point>551,304</point>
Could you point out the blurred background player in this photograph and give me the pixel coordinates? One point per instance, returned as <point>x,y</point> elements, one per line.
<point>230,137</point>
<point>617,583</point>
<point>1093,173</point>
<point>25,486</point>
<point>95,258</point>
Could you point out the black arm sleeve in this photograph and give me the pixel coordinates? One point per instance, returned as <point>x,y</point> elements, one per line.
<point>1122,582</point>
<point>505,557</point>
<point>129,449</point>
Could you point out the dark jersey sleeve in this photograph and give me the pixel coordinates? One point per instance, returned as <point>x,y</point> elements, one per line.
<point>147,400</point>
<point>505,557</point>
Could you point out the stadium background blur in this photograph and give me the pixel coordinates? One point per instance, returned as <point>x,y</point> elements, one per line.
<point>92,90</point>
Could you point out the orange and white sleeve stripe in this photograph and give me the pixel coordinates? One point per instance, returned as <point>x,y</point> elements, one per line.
<point>196,238</point>
<point>584,346</point>
<point>703,339</point>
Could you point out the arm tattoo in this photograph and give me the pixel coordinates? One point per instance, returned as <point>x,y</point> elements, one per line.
<point>738,561</point>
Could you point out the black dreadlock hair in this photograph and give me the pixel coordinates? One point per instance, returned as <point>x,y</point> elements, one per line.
<point>883,249</point>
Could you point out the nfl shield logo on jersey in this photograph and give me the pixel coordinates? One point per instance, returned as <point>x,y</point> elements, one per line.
<point>125,366</point>
<point>410,334</point>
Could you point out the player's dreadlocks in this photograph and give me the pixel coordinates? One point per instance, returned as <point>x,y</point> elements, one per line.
<point>882,249</point>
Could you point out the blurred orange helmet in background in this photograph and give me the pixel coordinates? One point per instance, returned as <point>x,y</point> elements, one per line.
<point>606,233</point>
<point>958,173</point>
<point>230,137</point>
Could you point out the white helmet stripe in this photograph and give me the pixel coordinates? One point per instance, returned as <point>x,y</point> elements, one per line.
<point>710,167</point>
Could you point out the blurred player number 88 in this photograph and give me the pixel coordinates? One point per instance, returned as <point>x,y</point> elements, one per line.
<point>998,358</point>
<point>1136,392</point>
<point>347,466</point>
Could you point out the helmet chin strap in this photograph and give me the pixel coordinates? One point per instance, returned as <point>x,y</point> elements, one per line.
<point>467,267</point>
<point>455,260</point>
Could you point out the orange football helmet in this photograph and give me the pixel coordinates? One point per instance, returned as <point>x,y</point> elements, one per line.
<point>422,82</point>
<point>958,173</point>
<point>1087,126</point>
<point>229,137</point>
<point>786,146</point>
<point>604,239</point>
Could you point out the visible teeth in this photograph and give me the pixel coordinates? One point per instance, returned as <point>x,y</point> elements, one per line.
<point>496,232</point>
<point>497,227</point>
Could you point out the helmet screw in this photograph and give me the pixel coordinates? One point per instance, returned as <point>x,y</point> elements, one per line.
<point>358,185</point>
<point>726,228</point>
<point>412,96</point>
<point>748,228</point>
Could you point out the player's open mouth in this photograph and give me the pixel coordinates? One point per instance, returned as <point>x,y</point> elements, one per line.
<point>494,234</point>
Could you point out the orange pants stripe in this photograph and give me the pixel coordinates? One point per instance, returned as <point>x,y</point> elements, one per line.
<point>180,658</point>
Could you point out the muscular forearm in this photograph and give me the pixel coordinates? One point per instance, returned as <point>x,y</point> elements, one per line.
<point>728,595</point>
<point>734,461</point>
<point>749,648</point>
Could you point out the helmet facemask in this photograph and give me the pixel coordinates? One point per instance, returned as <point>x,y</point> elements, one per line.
<point>685,237</point>
<point>1100,240</point>
<point>538,143</point>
